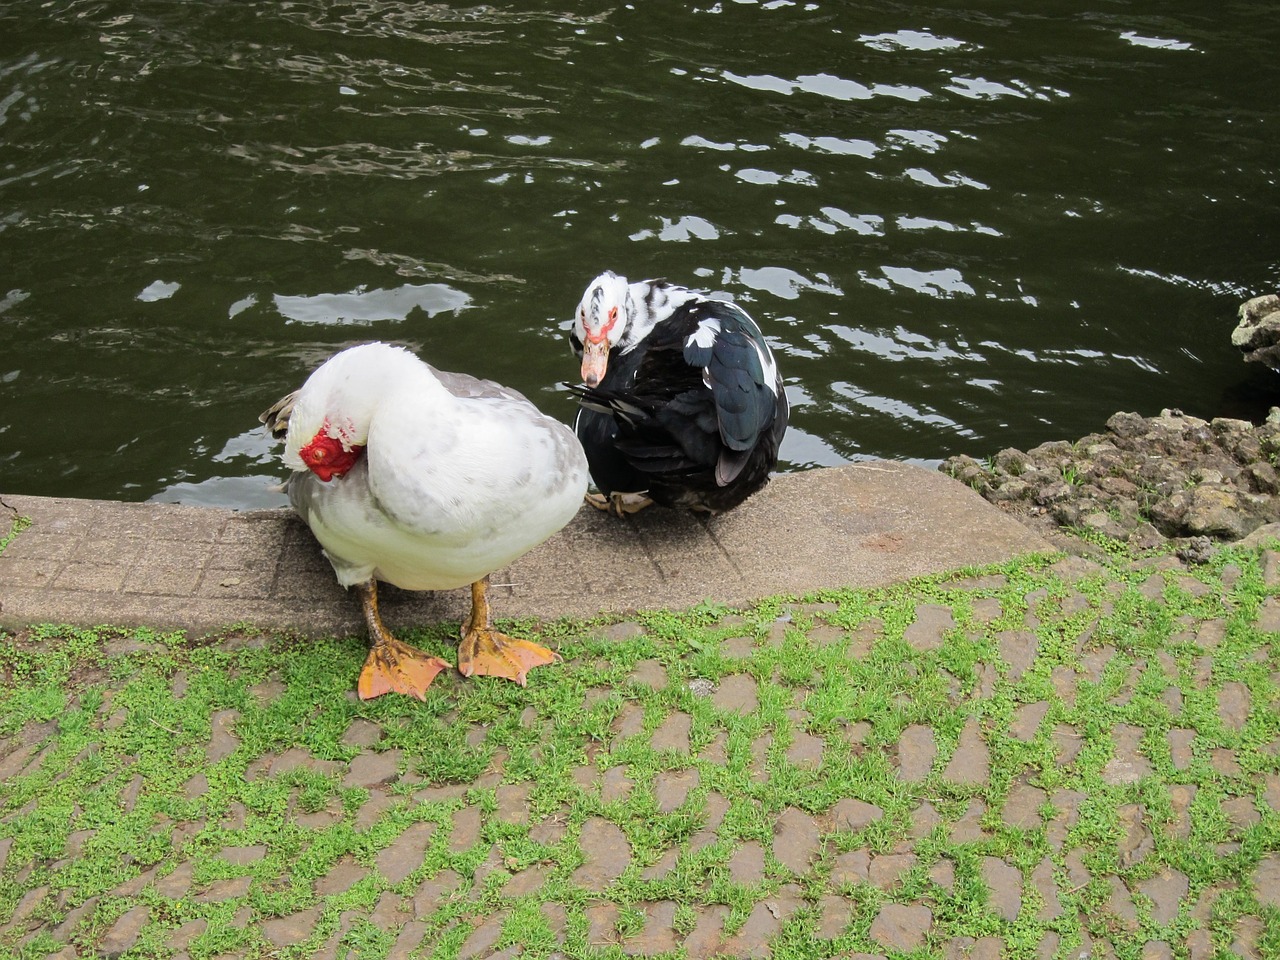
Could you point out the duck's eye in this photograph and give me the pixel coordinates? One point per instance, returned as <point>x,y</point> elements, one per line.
<point>323,449</point>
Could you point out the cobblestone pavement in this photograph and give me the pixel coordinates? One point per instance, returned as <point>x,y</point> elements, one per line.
<point>1033,760</point>
<point>1085,792</point>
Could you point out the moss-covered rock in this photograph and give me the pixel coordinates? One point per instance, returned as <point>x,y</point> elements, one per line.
<point>1144,480</point>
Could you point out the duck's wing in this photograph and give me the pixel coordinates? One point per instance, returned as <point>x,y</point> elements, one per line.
<point>737,367</point>
<point>743,400</point>
<point>473,388</point>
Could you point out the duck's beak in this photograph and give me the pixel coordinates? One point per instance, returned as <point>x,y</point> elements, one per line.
<point>595,359</point>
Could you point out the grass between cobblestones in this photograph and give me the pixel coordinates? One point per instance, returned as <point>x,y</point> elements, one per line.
<point>108,785</point>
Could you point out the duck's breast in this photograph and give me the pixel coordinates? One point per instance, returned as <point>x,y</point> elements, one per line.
<point>472,490</point>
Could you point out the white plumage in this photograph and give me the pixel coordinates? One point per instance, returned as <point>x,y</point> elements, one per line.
<point>423,479</point>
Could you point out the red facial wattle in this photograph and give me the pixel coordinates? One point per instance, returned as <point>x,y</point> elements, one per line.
<point>327,458</point>
<point>595,350</point>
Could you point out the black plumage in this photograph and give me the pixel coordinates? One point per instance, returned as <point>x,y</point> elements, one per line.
<point>690,409</point>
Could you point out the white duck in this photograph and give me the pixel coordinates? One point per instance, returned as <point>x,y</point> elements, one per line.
<point>429,481</point>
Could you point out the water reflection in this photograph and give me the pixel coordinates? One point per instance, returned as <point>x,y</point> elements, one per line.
<point>782,282</point>
<point>253,480</point>
<point>1156,43</point>
<point>771,178</point>
<point>365,306</point>
<point>962,230</point>
<point>695,140</point>
<point>158,290</point>
<point>947,282</point>
<point>980,88</point>
<point>902,345</point>
<point>925,140</point>
<point>928,223</point>
<point>251,492</point>
<point>825,85</point>
<point>834,219</point>
<point>839,145</point>
<point>912,40</point>
<point>680,231</point>
<point>897,409</point>
<point>947,181</point>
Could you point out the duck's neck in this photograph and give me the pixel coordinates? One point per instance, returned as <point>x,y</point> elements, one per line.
<point>649,302</point>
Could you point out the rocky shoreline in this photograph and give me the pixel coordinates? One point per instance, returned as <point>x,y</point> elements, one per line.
<point>1149,482</point>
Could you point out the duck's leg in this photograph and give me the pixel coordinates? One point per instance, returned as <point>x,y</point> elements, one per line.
<point>486,652</point>
<point>392,665</point>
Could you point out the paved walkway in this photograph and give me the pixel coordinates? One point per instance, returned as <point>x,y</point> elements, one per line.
<point>174,567</point>
<point>1076,761</point>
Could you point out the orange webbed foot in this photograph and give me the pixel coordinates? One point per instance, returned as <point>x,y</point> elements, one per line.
<point>392,666</point>
<point>396,667</point>
<point>485,652</point>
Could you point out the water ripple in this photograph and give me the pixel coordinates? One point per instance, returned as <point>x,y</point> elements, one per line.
<point>899,409</point>
<point>1155,43</point>
<point>825,85</point>
<point>913,40</point>
<point>681,230</point>
<point>903,344</point>
<point>960,229</point>
<point>361,306</point>
<point>782,282</point>
<point>942,283</point>
<point>372,159</point>
<point>437,23</point>
<point>833,220</point>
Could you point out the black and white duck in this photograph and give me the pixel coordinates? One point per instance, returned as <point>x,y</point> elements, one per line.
<point>681,400</point>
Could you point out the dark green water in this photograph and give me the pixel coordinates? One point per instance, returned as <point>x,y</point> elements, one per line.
<point>961,230</point>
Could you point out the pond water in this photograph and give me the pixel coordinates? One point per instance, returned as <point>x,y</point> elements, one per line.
<point>961,229</point>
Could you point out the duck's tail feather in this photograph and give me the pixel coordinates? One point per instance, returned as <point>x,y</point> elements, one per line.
<point>276,416</point>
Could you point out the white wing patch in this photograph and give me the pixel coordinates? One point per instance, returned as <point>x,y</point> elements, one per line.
<point>705,336</point>
<point>769,365</point>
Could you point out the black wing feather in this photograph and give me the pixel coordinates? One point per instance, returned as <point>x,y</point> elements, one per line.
<point>740,387</point>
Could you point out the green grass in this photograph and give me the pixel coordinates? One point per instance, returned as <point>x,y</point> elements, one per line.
<point>114,790</point>
<point>17,523</point>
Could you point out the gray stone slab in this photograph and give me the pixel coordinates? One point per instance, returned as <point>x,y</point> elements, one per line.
<point>198,569</point>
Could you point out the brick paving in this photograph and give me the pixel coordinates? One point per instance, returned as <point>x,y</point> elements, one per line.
<point>193,568</point>
<point>836,879</point>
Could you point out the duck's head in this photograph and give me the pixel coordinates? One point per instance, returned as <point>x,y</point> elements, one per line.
<point>617,315</point>
<point>328,443</point>
<point>328,453</point>
<point>600,324</point>
<point>329,422</point>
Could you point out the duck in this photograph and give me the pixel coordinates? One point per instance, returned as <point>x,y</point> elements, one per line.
<point>427,480</point>
<point>681,401</point>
